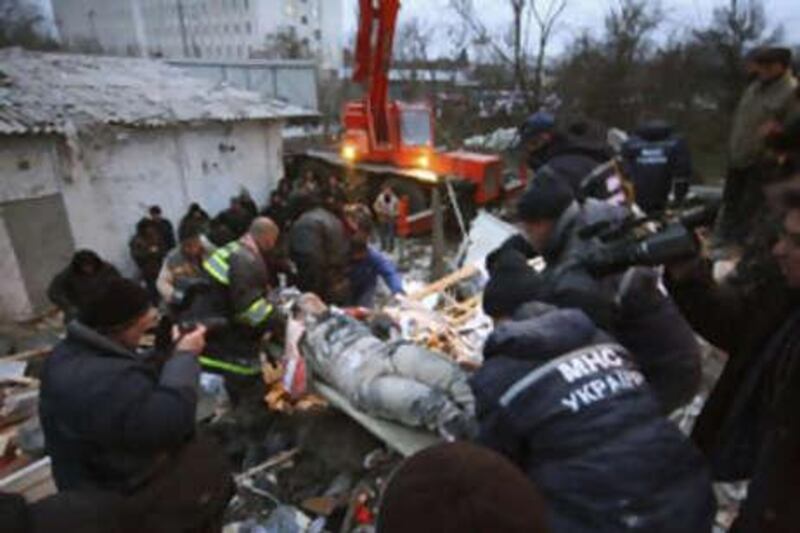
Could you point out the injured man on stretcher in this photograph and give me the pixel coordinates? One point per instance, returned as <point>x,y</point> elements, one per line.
<point>394,380</point>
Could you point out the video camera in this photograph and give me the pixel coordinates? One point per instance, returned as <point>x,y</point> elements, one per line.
<point>646,241</point>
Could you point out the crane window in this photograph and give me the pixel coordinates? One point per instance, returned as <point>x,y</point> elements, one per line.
<point>416,128</point>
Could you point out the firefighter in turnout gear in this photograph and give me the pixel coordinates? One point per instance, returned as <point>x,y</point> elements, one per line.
<point>238,289</point>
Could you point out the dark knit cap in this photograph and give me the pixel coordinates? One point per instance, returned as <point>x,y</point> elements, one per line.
<point>458,487</point>
<point>547,196</point>
<point>117,303</point>
<point>512,284</point>
<point>773,54</point>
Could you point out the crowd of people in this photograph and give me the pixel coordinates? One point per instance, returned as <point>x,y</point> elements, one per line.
<point>580,372</point>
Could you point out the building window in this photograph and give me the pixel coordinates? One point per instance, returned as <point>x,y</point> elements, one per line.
<point>304,20</point>
<point>248,27</point>
<point>247,5</point>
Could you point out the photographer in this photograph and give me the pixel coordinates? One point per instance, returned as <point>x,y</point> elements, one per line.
<point>748,427</point>
<point>116,420</point>
<point>629,305</point>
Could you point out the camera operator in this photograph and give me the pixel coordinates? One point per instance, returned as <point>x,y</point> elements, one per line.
<point>630,305</point>
<point>749,427</point>
<point>116,420</point>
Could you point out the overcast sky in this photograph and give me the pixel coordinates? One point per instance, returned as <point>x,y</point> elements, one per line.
<point>679,15</point>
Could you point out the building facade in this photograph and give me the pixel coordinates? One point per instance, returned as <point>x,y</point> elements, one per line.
<point>205,29</point>
<point>88,142</point>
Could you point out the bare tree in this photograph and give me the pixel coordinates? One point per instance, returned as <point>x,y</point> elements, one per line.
<point>546,14</point>
<point>735,27</point>
<point>516,54</point>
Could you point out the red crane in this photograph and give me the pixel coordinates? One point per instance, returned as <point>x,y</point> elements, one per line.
<point>390,141</point>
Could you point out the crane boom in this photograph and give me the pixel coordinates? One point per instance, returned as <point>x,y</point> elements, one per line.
<point>375,43</point>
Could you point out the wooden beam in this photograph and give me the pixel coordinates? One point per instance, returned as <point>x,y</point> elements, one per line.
<point>30,354</point>
<point>445,283</point>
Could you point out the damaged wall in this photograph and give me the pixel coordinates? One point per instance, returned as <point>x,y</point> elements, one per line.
<point>123,171</point>
<point>55,199</point>
<point>35,240</point>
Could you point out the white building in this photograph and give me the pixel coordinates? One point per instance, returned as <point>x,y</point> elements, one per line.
<point>202,29</point>
<point>88,142</point>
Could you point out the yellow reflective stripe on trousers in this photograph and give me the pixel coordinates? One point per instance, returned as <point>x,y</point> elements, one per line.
<point>218,266</point>
<point>256,314</point>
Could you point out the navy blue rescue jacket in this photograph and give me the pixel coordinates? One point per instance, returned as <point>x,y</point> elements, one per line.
<point>568,405</point>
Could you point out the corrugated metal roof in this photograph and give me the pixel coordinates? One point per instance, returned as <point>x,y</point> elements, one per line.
<point>59,93</point>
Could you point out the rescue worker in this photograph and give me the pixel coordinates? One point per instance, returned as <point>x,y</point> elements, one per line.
<point>762,108</point>
<point>240,292</point>
<point>658,162</point>
<point>319,246</point>
<point>567,404</point>
<point>631,306</point>
<point>570,158</point>
<point>368,264</point>
<point>183,266</point>
<point>80,282</point>
<point>118,420</point>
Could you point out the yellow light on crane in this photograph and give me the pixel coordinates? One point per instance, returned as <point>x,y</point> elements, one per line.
<point>424,162</point>
<point>349,153</point>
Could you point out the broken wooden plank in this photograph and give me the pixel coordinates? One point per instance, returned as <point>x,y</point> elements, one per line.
<point>27,355</point>
<point>35,481</point>
<point>446,282</point>
<point>403,439</point>
<point>272,462</point>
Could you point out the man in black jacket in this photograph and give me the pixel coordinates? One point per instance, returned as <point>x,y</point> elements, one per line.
<point>629,305</point>
<point>568,405</point>
<point>319,246</point>
<point>748,427</point>
<point>659,163</point>
<point>117,420</point>
<point>80,282</point>
<point>569,157</point>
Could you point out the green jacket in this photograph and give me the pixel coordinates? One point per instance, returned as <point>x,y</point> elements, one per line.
<point>760,103</point>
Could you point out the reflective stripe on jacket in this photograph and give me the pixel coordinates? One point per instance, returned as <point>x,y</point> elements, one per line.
<point>218,266</point>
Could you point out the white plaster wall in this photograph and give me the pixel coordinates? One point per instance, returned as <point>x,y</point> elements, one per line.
<point>14,301</point>
<point>27,168</point>
<point>124,171</point>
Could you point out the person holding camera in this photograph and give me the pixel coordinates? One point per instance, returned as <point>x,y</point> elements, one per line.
<point>748,427</point>
<point>630,305</point>
<point>121,421</point>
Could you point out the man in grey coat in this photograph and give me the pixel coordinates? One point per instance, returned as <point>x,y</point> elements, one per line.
<point>763,108</point>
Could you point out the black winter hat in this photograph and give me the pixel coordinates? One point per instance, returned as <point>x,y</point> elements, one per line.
<point>118,302</point>
<point>512,284</point>
<point>547,196</point>
<point>457,487</point>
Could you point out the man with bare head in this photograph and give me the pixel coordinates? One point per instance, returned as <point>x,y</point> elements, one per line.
<point>239,274</point>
